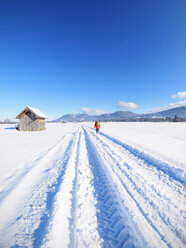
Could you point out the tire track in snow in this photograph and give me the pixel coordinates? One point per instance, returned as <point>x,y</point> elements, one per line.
<point>61,225</point>
<point>90,191</point>
<point>28,226</point>
<point>174,173</point>
<point>74,222</point>
<point>53,189</point>
<point>171,219</point>
<point>13,180</point>
<point>86,226</point>
<point>114,224</point>
<point>170,230</point>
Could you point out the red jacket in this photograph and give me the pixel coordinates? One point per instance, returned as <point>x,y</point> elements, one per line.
<point>97,126</point>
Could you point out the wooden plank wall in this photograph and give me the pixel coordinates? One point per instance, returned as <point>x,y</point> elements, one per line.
<point>29,122</point>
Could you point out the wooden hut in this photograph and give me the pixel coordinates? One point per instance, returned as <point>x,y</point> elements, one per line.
<point>31,119</point>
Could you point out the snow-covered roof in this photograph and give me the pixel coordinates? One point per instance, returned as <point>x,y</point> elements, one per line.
<point>36,111</point>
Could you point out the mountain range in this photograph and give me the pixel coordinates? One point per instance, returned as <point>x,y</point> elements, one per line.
<point>123,115</point>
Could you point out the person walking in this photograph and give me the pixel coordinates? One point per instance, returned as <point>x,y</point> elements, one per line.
<point>97,126</point>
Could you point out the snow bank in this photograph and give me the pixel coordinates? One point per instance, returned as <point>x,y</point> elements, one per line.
<point>124,187</point>
<point>18,149</point>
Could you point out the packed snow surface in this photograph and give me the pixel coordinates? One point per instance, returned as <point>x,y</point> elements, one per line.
<point>70,187</point>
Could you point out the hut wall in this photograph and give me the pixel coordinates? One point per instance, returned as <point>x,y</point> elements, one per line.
<point>41,124</point>
<point>29,122</point>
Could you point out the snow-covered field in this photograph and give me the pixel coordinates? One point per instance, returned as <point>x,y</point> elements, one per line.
<point>70,187</point>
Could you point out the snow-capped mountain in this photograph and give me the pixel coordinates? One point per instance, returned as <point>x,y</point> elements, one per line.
<point>179,111</point>
<point>119,115</point>
<point>123,115</point>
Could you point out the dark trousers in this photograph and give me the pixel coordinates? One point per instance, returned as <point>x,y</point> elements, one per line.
<point>97,130</point>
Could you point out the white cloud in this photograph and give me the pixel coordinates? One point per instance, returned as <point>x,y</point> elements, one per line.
<point>92,111</point>
<point>180,95</point>
<point>127,105</point>
<point>166,107</point>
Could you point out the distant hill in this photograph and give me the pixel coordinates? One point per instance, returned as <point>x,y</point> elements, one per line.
<point>179,111</point>
<point>119,115</point>
<point>73,117</point>
<point>123,115</point>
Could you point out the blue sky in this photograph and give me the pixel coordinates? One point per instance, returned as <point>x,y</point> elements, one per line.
<point>64,56</point>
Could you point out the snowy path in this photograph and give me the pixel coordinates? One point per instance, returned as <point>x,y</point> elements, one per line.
<point>91,190</point>
<point>146,191</point>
